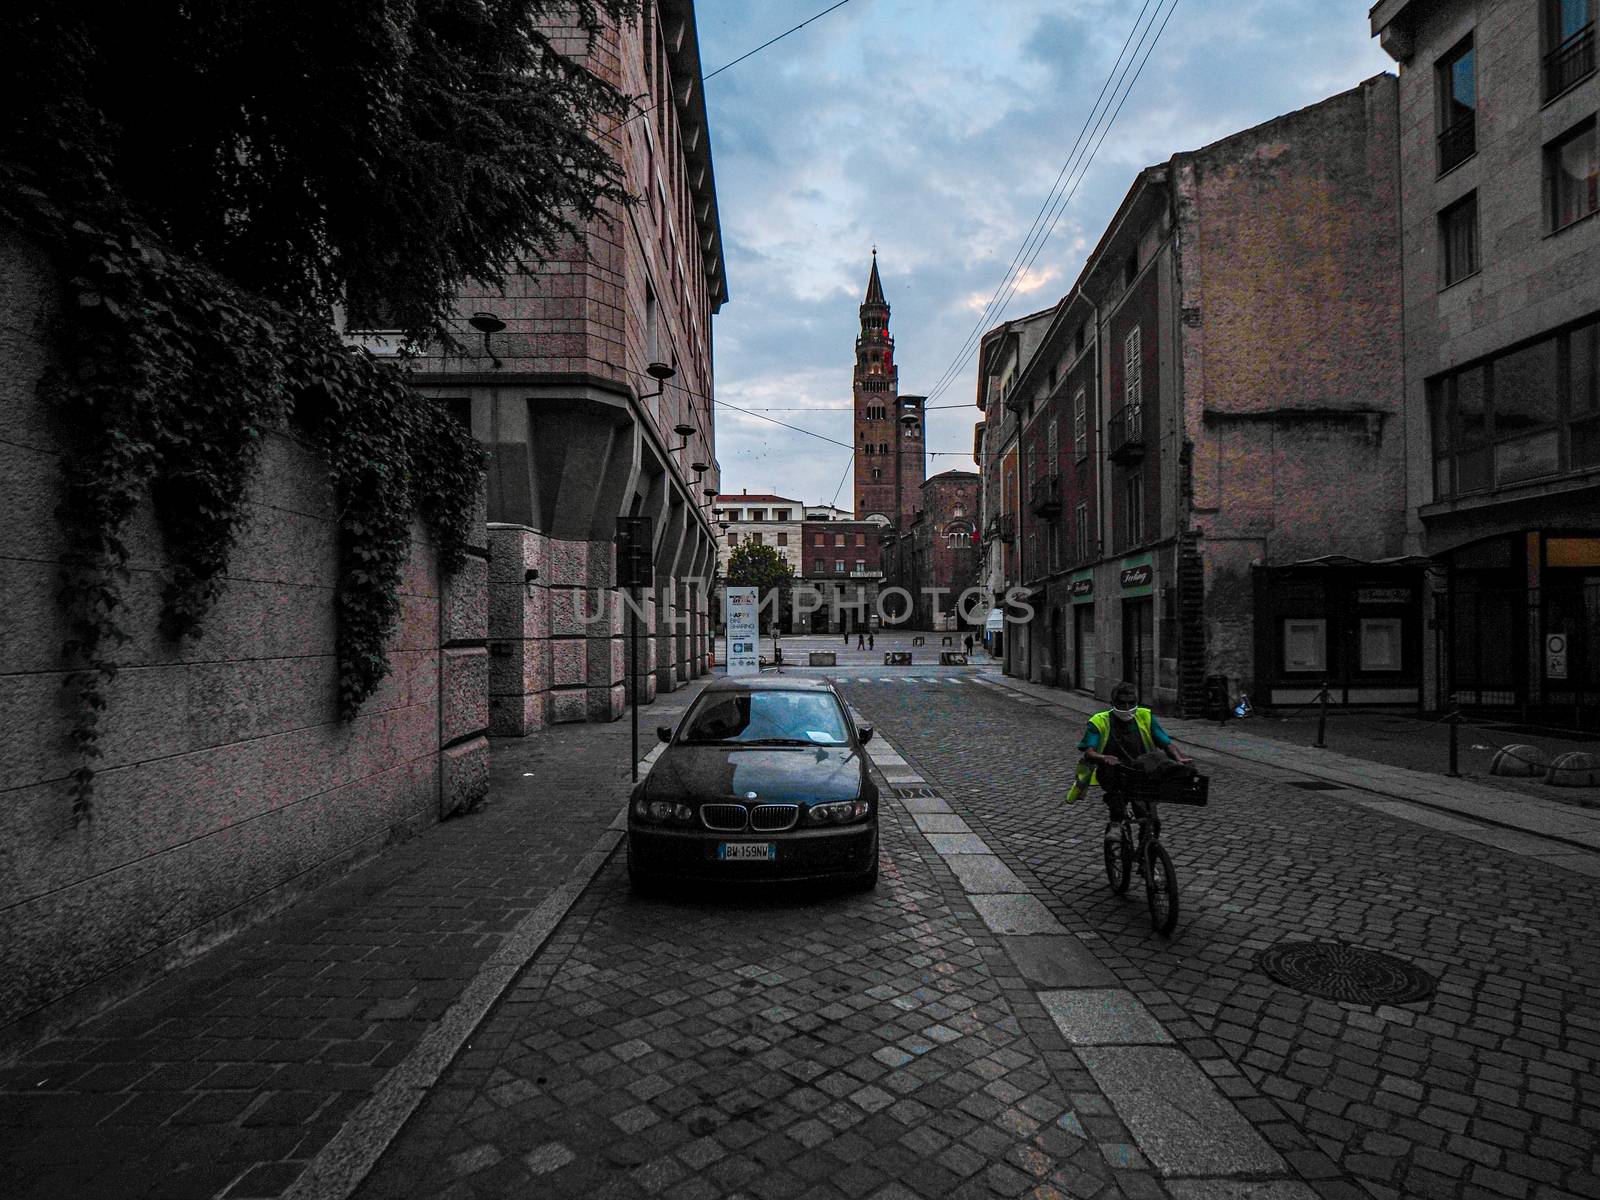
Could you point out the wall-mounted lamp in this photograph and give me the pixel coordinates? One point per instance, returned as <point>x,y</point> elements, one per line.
<point>487,323</point>
<point>699,470</point>
<point>683,431</point>
<point>660,372</point>
<point>528,578</point>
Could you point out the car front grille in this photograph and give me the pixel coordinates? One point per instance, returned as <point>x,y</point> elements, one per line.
<point>729,818</point>
<point>770,818</point>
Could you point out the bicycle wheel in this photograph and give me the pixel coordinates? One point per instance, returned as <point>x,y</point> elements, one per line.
<point>1161,888</point>
<point>1119,862</point>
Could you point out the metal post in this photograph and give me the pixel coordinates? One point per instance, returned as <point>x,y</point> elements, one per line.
<point>1322,718</point>
<point>633,677</point>
<point>1455,748</point>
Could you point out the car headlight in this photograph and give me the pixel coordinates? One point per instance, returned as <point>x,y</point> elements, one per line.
<point>662,810</point>
<point>839,813</point>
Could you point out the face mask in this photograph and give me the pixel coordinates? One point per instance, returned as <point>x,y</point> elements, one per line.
<point>1125,713</point>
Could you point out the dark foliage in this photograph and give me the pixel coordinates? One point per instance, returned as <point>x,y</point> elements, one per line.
<point>212,181</point>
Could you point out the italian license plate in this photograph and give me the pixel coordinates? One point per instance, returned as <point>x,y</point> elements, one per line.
<point>747,851</point>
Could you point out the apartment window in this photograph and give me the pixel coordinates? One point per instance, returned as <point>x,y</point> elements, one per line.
<point>652,325</point>
<point>1052,446</point>
<point>1080,425</point>
<point>758,514</point>
<point>1572,176</point>
<point>1458,236</point>
<point>818,566</point>
<point>838,566</point>
<point>1130,269</point>
<point>733,538</point>
<point>861,539</point>
<point>861,566</point>
<point>1081,531</point>
<point>1569,34</point>
<point>838,539</point>
<point>1132,369</point>
<point>780,514</point>
<point>821,539</point>
<point>883,447</point>
<point>783,539</point>
<point>877,473</point>
<point>755,538</point>
<point>1133,508</point>
<point>1525,414</point>
<point>1458,106</point>
<point>1080,339</point>
<point>871,449</point>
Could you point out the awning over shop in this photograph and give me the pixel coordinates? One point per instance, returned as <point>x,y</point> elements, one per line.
<point>1343,560</point>
<point>995,622</point>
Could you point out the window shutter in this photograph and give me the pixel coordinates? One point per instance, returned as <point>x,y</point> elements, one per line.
<point>1132,369</point>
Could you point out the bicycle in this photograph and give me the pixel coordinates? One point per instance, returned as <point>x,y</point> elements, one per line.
<point>1141,793</point>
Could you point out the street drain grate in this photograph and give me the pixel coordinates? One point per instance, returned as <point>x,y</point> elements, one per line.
<point>1317,785</point>
<point>1337,971</point>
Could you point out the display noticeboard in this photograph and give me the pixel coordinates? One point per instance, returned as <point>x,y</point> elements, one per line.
<point>1555,656</point>
<point>741,610</point>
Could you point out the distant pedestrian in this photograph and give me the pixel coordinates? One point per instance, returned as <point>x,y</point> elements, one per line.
<point>870,641</point>
<point>968,644</point>
<point>861,640</point>
<point>846,629</point>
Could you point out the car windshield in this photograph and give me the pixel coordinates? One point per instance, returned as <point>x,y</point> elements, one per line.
<point>782,718</point>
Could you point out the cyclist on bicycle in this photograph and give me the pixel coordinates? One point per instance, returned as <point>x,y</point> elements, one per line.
<point>1116,737</point>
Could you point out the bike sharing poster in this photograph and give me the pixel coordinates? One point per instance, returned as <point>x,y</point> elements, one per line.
<point>741,609</point>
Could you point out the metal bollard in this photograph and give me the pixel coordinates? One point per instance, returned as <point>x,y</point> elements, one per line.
<point>1455,747</point>
<point>1322,718</point>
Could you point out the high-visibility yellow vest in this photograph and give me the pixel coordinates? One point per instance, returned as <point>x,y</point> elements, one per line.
<point>1086,775</point>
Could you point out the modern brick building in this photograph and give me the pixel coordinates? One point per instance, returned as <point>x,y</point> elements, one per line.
<point>560,381</point>
<point>843,570</point>
<point>1500,186</point>
<point>1227,495</point>
<point>889,462</point>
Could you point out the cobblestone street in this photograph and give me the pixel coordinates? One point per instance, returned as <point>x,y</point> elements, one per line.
<point>1488,1089</point>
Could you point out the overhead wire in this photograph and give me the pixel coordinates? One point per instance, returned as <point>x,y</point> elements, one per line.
<point>1083,172</point>
<point>983,318</point>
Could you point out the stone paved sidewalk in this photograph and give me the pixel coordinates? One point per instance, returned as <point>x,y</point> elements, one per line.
<point>230,1075</point>
<point>1569,833</point>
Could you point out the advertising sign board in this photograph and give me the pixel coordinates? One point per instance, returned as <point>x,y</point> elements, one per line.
<point>741,607</point>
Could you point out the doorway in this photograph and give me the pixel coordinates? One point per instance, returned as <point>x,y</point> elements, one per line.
<point>1083,646</point>
<point>1057,650</point>
<point>1138,646</point>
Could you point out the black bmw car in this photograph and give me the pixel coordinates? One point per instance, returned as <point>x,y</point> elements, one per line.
<point>764,779</point>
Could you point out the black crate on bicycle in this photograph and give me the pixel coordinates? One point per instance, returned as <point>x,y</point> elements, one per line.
<point>1176,788</point>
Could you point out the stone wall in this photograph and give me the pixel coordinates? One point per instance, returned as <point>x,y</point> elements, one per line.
<point>228,785</point>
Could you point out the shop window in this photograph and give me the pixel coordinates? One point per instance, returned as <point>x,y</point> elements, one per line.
<point>1305,644</point>
<point>1380,643</point>
<point>1458,237</point>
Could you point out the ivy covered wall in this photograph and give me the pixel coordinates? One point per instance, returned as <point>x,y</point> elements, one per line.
<point>227,778</point>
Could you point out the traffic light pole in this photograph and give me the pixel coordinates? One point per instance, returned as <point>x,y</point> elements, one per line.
<point>633,677</point>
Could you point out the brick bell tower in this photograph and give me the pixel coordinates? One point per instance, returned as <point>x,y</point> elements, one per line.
<point>889,453</point>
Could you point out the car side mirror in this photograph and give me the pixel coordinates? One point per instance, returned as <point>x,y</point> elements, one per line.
<point>664,732</point>
<point>864,732</point>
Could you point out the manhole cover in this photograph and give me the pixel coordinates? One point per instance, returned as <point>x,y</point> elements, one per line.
<point>1336,971</point>
<point>1316,785</point>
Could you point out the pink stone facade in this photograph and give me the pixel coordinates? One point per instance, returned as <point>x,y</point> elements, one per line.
<point>228,784</point>
<point>579,430</point>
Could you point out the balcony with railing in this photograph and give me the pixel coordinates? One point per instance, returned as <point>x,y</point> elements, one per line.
<point>1125,434</point>
<point>1044,497</point>
<point>1570,62</point>
<point>1458,142</point>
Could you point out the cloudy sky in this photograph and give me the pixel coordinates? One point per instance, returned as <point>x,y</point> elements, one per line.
<point>936,129</point>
